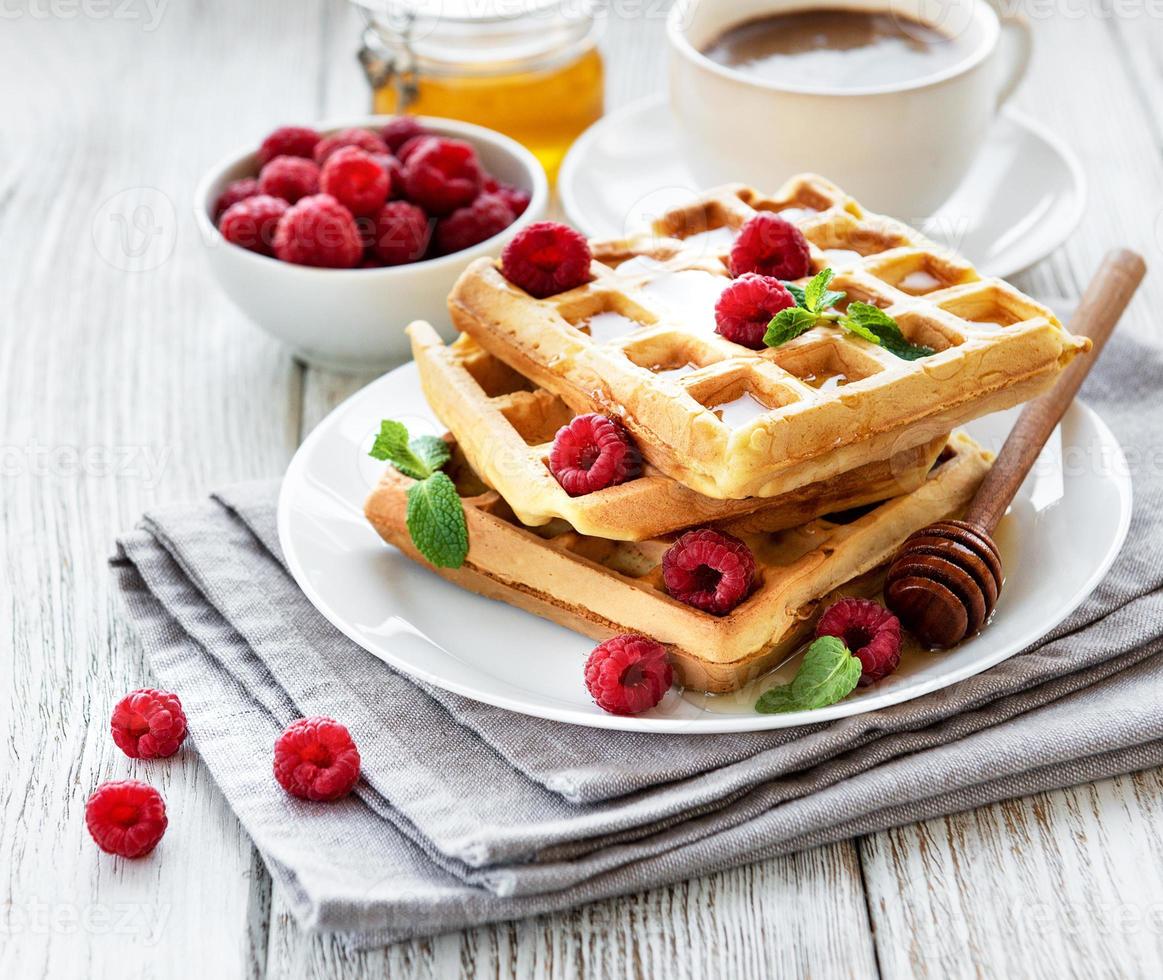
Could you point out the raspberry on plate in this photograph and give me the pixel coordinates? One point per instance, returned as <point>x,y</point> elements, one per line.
<point>288,141</point>
<point>546,258</point>
<point>593,452</point>
<point>356,180</point>
<point>252,223</point>
<point>363,139</point>
<point>746,307</point>
<point>401,233</point>
<point>628,674</point>
<point>148,724</point>
<point>488,215</point>
<point>315,759</point>
<point>235,191</point>
<point>869,631</point>
<point>771,246</point>
<point>290,178</point>
<point>442,175</point>
<point>318,231</point>
<point>126,818</point>
<point>710,570</point>
<point>398,131</point>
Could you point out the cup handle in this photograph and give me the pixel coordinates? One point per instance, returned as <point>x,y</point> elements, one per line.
<point>1019,37</point>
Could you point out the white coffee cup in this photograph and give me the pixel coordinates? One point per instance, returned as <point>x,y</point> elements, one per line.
<point>901,149</point>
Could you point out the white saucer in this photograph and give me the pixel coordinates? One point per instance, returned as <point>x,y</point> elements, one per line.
<point>1024,195</point>
<point>1064,530</point>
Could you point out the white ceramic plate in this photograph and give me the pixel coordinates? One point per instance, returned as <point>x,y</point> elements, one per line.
<point>1065,528</point>
<point>1024,194</point>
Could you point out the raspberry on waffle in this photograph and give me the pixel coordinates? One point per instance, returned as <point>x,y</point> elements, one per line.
<point>505,427</point>
<point>730,422</point>
<point>603,588</point>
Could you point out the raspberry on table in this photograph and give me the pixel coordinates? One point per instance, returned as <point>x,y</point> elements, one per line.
<point>356,180</point>
<point>288,141</point>
<point>362,139</point>
<point>745,308</point>
<point>771,246</point>
<point>396,132</point>
<point>593,452</point>
<point>318,231</point>
<point>290,178</point>
<point>127,818</point>
<point>149,724</point>
<point>488,215</point>
<point>442,175</point>
<point>710,570</point>
<point>235,191</point>
<point>401,233</point>
<point>315,759</point>
<point>870,632</point>
<point>252,223</point>
<point>628,674</point>
<point>546,258</point>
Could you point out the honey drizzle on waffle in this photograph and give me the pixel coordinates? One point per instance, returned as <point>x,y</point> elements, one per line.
<point>822,392</point>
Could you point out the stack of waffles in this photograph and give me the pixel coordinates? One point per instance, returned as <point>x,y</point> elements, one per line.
<point>822,454</point>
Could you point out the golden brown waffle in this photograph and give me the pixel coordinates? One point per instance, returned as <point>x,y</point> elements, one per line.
<point>505,428</point>
<point>639,342</point>
<point>602,588</point>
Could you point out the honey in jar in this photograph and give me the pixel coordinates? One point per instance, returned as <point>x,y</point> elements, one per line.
<point>527,68</point>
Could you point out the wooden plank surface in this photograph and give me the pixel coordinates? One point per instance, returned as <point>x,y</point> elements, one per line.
<point>123,388</point>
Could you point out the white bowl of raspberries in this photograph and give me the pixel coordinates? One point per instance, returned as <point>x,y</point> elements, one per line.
<point>333,238</point>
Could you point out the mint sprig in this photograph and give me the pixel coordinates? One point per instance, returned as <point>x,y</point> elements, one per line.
<point>827,674</point>
<point>435,515</point>
<point>814,304</point>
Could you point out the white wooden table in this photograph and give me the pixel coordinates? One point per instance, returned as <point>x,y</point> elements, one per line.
<point>127,379</point>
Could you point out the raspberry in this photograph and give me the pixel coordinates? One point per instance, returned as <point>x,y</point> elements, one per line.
<point>398,131</point>
<point>486,216</point>
<point>442,175</point>
<point>710,570</point>
<point>235,191</point>
<point>517,199</point>
<point>126,818</point>
<point>771,246</point>
<point>746,307</point>
<point>395,171</point>
<point>628,674</point>
<point>546,258</point>
<point>252,223</point>
<point>359,138</point>
<point>290,178</point>
<point>869,631</point>
<point>401,233</point>
<point>148,724</point>
<point>355,180</point>
<point>593,452</point>
<point>318,231</point>
<point>316,759</point>
<point>288,141</point>
<point>410,146</point>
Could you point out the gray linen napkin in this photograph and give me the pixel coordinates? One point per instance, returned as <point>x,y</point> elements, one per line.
<point>469,814</point>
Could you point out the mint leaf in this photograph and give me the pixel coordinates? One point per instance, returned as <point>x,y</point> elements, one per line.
<point>827,674</point>
<point>788,324</point>
<point>776,700</point>
<point>436,521</point>
<point>431,450</point>
<point>873,324</point>
<point>392,445</point>
<point>797,293</point>
<point>816,289</point>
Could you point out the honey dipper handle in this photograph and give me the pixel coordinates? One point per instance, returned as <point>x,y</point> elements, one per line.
<point>1102,304</point>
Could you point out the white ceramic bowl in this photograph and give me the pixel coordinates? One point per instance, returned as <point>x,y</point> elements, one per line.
<point>354,319</point>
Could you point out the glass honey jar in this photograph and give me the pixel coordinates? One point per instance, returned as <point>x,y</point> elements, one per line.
<point>527,68</point>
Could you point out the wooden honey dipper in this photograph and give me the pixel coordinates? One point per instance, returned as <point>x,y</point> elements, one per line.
<point>944,583</point>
